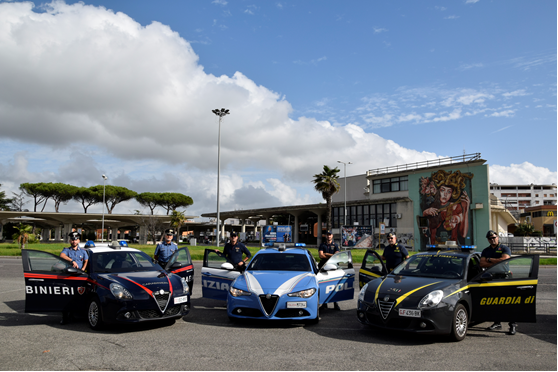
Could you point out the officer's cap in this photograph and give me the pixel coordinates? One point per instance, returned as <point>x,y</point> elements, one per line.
<point>390,234</point>
<point>491,233</point>
<point>74,235</point>
<point>169,232</point>
<point>328,233</point>
<point>233,235</point>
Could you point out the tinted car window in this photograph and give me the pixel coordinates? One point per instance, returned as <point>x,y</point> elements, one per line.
<point>435,266</point>
<point>280,262</point>
<point>108,262</point>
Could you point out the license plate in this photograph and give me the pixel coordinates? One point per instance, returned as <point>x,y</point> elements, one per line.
<point>296,305</point>
<point>180,300</point>
<point>409,313</point>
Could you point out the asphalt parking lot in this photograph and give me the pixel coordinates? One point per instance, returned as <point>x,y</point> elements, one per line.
<point>206,340</point>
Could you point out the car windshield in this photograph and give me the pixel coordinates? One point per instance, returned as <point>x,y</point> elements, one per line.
<point>118,261</point>
<point>432,266</point>
<point>280,262</point>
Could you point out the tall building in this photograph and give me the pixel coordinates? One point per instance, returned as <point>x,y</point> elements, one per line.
<point>516,198</point>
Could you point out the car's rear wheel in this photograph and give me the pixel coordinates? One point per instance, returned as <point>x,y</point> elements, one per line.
<point>94,316</point>
<point>460,323</point>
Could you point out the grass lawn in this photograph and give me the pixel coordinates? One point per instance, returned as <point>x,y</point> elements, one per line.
<point>9,249</point>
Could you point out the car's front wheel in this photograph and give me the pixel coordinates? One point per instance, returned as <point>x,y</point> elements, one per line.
<point>460,323</point>
<point>94,316</point>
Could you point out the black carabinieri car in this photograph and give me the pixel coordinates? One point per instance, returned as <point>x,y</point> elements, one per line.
<point>442,292</point>
<point>120,285</point>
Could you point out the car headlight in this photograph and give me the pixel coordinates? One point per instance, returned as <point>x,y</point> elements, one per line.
<point>235,292</point>
<point>185,286</point>
<point>432,299</point>
<point>362,292</point>
<point>303,294</point>
<point>120,292</point>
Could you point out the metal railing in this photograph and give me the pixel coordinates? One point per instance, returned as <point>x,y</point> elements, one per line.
<point>425,164</point>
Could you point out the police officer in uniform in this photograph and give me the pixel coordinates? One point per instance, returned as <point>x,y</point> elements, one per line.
<point>78,258</point>
<point>74,254</point>
<point>325,251</point>
<point>394,253</point>
<point>233,251</point>
<point>165,249</point>
<point>490,256</point>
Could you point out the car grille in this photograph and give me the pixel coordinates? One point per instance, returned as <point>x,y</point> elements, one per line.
<point>162,300</point>
<point>269,304</point>
<point>151,314</point>
<point>385,307</point>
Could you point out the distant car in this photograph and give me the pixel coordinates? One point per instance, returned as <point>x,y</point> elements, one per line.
<point>120,285</point>
<point>279,284</point>
<point>442,292</point>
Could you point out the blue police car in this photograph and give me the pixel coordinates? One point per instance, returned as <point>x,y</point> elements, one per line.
<point>279,283</point>
<point>120,285</point>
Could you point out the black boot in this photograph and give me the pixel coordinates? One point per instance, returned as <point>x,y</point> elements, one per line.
<point>513,329</point>
<point>495,326</point>
<point>336,306</point>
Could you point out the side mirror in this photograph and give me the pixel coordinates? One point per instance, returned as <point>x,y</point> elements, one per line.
<point>329,267</point>
<point>227,266</point>
<point>376,269</point>
<point>486,277</point>
<point>72,270</point>
<point>176,265</point>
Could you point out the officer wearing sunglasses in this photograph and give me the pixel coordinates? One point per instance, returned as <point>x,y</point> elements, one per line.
<point>490,256</point>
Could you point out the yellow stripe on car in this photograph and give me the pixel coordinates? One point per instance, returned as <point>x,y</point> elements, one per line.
<point>499,284</point>
<point>411,292</point>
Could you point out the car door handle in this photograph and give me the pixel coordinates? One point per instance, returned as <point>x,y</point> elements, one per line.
<point>525,287</point>
<point>207,274</point>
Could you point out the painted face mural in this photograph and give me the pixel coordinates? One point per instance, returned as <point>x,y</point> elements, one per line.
<point>445,200</point>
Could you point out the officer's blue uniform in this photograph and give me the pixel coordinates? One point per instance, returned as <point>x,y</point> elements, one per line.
<point>327,248</point>
<point>233,253</point>
<point>394,255</point>
<point>164,251</point>
<point>79,255</point>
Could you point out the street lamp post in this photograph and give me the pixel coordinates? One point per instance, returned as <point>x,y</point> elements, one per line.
<point>105,178</point>
<point>345,176</point>
<point>221,113</point>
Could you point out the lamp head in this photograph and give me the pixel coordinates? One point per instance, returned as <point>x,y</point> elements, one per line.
<point>105,177</point>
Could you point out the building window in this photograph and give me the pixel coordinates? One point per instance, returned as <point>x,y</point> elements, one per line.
<point>391,184</point>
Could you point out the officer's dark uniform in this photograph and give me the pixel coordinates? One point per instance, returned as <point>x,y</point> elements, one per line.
<point>233,253</point>
<point>497,252</point>
<point>327,248</point>
<point>394,255</point>
<point>331,248</point>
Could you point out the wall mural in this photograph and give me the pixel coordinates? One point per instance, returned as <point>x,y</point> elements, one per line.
<point>444,199</point>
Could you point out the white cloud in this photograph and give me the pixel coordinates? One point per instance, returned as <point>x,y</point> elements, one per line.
<point>505,113</point>
<point>524,173</point>
<point>516,93</point>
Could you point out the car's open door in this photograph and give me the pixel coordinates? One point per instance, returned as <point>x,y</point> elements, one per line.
<point>336,278</point>
<point>180,263</point>
<point>216,280</point>
<point>52,284</point>
<point>372,267</point>
<point>506,292</point>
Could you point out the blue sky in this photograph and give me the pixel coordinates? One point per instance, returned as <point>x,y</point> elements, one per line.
<point>126,88</point>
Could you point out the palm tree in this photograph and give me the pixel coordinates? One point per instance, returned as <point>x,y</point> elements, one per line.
<point>177,219</point>
<point>327,183</point>
<point>22,234</point>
